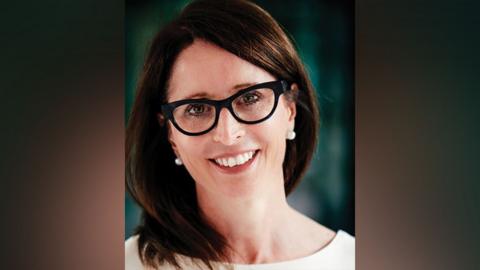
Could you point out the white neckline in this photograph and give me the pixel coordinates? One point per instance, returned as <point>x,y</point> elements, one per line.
<point>321,252</point>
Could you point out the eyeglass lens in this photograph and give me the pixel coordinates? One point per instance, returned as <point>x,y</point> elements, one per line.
<point>250,106</point>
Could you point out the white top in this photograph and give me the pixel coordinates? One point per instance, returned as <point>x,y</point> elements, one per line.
<point>339,254</point>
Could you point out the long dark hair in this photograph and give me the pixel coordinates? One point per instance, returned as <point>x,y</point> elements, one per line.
<point>171,221</point>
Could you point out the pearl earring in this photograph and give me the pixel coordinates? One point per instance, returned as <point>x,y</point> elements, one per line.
<point>178,161</point>
<point>291,135</point>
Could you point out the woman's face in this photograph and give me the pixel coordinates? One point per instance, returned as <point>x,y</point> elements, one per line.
<point>204,70</point>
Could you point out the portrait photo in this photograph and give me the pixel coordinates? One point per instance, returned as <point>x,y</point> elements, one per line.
<point>239,150</point>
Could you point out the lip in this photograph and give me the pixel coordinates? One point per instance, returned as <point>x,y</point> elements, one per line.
<point>236,169</point>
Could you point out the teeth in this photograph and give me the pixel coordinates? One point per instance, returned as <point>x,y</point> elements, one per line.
<point>240,159</point>
<point>231,162</point>
<point>236,160</point>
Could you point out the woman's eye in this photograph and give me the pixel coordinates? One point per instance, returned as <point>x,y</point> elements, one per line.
<point>196,109</point>
<point>250,98</point>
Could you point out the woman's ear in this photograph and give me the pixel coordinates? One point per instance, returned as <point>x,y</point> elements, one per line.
<point>171,141</point>
<point>161,119</point>
<point>174,146</point>
<point>291,102</point>
<point>162,122</point>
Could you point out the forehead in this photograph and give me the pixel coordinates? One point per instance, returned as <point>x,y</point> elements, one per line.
<point>206,68</point>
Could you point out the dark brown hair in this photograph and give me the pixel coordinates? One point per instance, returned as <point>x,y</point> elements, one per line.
<point>171,221</point>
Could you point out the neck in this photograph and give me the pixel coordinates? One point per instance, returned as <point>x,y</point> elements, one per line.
<point>254,226</point>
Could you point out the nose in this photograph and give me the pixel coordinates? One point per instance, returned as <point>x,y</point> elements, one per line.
<point>228,130</point>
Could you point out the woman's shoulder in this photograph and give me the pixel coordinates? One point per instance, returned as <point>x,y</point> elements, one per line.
<point>133,262</point>
<point>310,234</point>
<point>132,258</point>
<point>333,249</point>
<point>339,244</point>
<point>345,243</point>
<point>340,252</point>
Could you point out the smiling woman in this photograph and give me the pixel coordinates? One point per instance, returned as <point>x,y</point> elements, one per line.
<point>223,127</point>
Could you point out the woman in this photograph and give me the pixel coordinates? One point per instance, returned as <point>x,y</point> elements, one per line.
<point>223,128</point>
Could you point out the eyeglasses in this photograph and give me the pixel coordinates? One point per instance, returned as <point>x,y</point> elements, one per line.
<point>255,104</point>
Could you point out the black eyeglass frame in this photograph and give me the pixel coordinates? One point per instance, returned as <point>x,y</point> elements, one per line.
<point>279,87</point>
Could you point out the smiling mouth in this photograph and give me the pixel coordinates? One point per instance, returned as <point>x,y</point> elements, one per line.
<point>235,160</point>
<point>235,163</point>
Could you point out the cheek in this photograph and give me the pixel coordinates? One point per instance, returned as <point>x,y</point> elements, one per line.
<point>193,160</point>
<point>272,134</point>
<point>189,148</point>
<point>190,153</point>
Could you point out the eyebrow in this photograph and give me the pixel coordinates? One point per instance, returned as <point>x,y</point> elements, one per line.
<point>206,95</point>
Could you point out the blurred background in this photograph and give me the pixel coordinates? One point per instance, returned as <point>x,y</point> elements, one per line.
<point>323,33</point>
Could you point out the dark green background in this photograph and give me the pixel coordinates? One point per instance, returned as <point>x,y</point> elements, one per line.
<point>323,33</point>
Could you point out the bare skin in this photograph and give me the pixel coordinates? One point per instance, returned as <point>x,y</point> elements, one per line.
<point>267,230</point>
<point>249,208</point>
